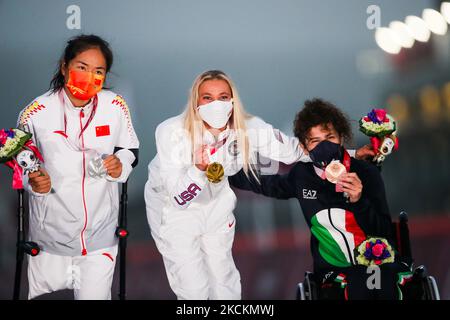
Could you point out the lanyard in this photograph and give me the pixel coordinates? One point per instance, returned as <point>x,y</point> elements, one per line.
<point>217,146</point>
<point>346,161</point>
<point>91,116</point>
<point>213,149</point>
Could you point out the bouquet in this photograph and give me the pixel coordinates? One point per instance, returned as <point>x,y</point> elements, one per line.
<point>375,251</point>
<point>19,153</point>
<point>381,128</point>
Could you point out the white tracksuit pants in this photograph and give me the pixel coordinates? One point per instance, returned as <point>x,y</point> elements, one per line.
<point>196,246</point>
<point>89,276</point>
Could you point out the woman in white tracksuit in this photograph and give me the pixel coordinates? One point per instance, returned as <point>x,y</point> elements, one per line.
<point>191,218</point>
<point>74,206</point>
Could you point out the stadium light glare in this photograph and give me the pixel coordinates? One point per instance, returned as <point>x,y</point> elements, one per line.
<point>435,21</point>
<point>418,28</point>
<point>402,35</point>
<point>385,39</point>
<point>445,10</point>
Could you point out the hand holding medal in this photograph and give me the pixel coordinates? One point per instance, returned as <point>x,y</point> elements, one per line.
<point>96,169</point>
<point>347,182</point>
<point>214,171</point>
<point>333,172</point>
<point>351,185</point>
<point>205,161</point>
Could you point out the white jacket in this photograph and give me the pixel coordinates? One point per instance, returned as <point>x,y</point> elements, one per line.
<point>172,173</point>
<point>80,213</point>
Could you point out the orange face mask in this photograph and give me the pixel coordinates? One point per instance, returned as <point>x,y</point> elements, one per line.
<point>84,85</point>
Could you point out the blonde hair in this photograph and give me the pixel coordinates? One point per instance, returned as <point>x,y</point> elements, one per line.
<point>194,125</point>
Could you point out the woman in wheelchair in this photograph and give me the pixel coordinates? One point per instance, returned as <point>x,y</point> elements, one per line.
<point>344,203</point>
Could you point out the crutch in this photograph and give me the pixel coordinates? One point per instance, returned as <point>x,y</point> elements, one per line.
<point>122,234</point>
<point>22,246</point>
<point>122,231</point>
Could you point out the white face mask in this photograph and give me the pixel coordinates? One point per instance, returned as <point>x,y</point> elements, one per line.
<point>216,113</point>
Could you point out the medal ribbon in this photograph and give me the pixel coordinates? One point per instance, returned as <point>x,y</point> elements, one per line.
<point>91,116</point>
<point>216,147</point>
<point>346,162</point>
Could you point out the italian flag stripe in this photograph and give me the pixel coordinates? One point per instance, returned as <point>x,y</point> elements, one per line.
<point>352,226</point>
<point>332,246</point>
<point>329,249</point>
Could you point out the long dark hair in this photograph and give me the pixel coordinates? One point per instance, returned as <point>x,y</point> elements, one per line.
<point>74,47</point>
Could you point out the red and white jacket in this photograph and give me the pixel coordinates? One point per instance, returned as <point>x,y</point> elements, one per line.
<point>80,213</point>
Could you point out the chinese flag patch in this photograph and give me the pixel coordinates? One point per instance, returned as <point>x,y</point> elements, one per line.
<point>102,131</point>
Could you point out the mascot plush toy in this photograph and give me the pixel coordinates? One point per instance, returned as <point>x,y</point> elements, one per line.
<point>18,152</point>
<point>381,128</point>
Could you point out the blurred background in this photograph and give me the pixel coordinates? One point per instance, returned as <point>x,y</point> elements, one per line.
<point>357,54</point>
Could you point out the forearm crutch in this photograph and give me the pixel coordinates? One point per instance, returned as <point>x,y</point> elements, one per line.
<point>22,246</point>
<point>122,231</point>
<point>122,234</point>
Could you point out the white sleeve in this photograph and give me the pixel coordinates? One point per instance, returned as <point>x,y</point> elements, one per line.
<point>126,157</point>
<point>127,139</point>
<point>26,124</point>
<point>183,180</point>
<point>273,144</point>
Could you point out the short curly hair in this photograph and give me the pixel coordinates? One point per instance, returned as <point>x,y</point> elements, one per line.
<point>320,112</point>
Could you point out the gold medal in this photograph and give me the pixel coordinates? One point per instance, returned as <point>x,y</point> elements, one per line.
<point>334,170</point>
<point>214,172</point>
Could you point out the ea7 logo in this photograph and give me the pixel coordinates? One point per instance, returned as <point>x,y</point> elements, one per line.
<point>309,194</point>
<point>187,195</point>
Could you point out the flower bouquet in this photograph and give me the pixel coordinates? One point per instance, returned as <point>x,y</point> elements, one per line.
<point>381,128</point>
<point>19,153</point>
<point>375,251</point>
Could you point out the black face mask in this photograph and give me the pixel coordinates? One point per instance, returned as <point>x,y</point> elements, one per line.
<point>325,152</point>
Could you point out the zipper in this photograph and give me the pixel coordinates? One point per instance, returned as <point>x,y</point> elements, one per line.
<point>83,243</point>
<point>343,236</point>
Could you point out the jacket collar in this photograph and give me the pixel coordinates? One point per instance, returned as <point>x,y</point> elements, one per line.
<point>209,138</point>
<point>68,105</point>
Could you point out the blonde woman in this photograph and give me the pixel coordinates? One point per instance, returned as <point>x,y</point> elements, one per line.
<point>189,211</point>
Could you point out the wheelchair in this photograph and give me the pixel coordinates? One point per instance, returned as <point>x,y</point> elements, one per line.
<point>309,289</point>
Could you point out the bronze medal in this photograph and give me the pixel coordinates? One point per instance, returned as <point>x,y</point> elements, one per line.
<point>334,170</point>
